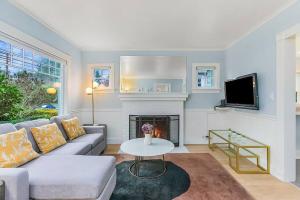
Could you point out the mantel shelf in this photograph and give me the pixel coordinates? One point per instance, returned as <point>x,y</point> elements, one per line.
<point>153,96</point>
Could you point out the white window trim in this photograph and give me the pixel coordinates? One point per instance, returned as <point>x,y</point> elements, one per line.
<point>195,88</point>
<point>15,36</point>
<point>111,88</point>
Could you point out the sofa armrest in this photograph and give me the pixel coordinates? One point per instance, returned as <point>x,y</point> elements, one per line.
<point>16,183</point>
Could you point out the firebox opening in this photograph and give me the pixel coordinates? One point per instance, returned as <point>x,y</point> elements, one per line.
<point>165,126</point>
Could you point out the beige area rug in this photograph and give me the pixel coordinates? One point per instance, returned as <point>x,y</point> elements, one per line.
<point>209,180</point>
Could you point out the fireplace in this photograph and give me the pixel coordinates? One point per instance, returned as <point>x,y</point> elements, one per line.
<point>165,126</point>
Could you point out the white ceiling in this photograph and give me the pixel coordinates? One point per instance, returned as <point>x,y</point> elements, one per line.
<point>152,24</point>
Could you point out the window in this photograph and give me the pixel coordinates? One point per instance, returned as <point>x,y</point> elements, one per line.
<point>37,77</point>
<point>103,75</point>
<point>206,77</point>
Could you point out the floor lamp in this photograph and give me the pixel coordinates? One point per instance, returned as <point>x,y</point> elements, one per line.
<point>90,91</point>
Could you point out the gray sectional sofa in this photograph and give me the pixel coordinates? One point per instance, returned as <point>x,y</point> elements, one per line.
<point>71,171</point>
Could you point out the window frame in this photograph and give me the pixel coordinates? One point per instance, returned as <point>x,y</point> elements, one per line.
<point>18,38</point>
<point>110,66</point>
<point>216,88</point>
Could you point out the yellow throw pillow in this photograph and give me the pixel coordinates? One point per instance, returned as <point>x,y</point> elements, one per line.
<point>15,149</point>
<point>48,137</point>
<point>73,128</point>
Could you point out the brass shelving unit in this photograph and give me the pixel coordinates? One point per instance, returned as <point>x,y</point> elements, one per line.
<point>240,149</point>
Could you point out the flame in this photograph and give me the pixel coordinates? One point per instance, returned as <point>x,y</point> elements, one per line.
<point>157,133</point>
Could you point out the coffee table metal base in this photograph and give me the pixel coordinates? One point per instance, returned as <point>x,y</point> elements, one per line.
<point>135,168</point>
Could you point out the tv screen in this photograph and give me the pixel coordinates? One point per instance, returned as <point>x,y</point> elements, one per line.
<point>242,92</point>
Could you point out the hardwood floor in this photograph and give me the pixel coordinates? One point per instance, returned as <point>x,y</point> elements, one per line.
<point>262,187</point>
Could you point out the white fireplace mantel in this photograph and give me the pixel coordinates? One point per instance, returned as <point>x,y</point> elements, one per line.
<point>153,104</point>
<point>153,96</point>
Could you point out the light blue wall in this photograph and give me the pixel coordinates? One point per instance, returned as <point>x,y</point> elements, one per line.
<point>194,100</point>
<point>257,53</point>
<point>11,15</point>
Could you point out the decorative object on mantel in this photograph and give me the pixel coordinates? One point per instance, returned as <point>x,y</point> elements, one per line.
<point>90,91</point>
<point>162,87</point>
<point>147,130</point>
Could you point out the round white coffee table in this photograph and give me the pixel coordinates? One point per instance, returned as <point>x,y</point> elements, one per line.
<point>137,148</point>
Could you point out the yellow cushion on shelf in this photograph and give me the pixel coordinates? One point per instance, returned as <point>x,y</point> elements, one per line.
<point>16,149</point>
<point>73,128</point>
<point>48,137</point>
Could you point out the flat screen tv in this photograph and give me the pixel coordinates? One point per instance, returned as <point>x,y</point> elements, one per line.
<point>242,92</point>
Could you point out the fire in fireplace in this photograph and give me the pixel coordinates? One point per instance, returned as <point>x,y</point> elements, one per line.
<point>165,126</point>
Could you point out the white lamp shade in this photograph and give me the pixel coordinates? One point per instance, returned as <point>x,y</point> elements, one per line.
<point>89,90</point>
<point>95,84</point>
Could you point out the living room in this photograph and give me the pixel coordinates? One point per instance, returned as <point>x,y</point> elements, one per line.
<point>131,75</point>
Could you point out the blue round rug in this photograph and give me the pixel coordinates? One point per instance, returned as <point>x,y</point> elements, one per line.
<point>173,183</point>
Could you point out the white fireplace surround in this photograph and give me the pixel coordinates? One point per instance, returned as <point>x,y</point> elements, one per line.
<point>153,104</point>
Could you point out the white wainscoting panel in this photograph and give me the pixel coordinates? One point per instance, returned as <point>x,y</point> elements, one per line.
<point>195,126</point>
<point>199,121</point>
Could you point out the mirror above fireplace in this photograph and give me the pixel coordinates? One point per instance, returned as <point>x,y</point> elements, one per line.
<point>153,74</point>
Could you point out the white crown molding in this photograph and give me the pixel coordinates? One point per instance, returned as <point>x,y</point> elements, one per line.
<point>42,22</point>
<point>255,28</point>
<point>175,50</point>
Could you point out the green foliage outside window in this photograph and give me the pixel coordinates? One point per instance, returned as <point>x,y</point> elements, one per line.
<point>10,100</point>
<point>21,99</point>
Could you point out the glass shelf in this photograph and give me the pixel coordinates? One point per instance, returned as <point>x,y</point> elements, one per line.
<point>237,138</point>
<point>241,149</point>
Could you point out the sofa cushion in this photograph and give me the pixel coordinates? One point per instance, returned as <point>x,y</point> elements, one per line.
<point>72,128</point>
<point>48,137</point>
<point>15,149</point>
<point>69,177</point>
<point>7,128</point>
<point>94,139</point>
<point>29,124</point>
<point>57,120</point>
<point>72,149</point>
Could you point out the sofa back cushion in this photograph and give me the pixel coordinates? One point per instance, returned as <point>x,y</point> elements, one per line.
<point>30,124</point>
<point>7,128</point>
<point>73,128</point>
<point>15,149</point>
<point>58,121</point>
<point>48,137</point>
